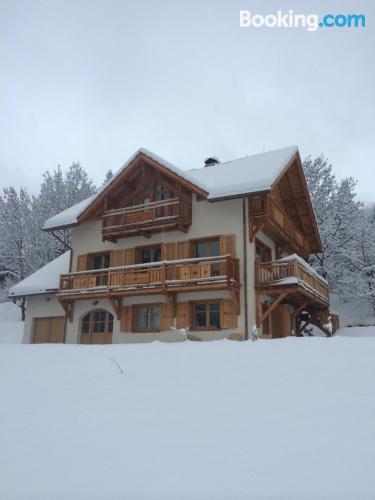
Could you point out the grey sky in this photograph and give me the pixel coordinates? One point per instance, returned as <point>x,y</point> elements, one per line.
<point>92,81</point>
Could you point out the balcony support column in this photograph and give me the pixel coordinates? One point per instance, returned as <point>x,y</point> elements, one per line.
<point>68,308</point>
<point>273,306</point>
<point>116,303</point>
<point>171,299</point>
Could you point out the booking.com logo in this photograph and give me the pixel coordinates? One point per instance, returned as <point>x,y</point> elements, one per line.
<point>310,22</point>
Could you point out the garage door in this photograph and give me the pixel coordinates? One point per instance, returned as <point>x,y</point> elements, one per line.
<point>49,330</point>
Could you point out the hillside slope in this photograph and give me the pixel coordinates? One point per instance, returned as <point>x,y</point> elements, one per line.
<point>282,419</point>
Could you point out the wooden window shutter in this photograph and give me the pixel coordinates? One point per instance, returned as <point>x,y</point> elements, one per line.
<point>228,314</point>
<point>228,244</point>
<point>129,256</point>
<point>117,258</point>
<point>183,250</point>
<point>126,319</point>
<point>168,251</point>
<point>82,263</point>
<point>166,316</point>
<point>182,315</point>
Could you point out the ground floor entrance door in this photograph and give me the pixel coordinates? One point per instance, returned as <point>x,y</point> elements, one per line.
<point>97,327</point>
<point>48,330</point>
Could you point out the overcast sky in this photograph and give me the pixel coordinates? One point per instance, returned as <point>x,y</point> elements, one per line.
<point>92,81</point>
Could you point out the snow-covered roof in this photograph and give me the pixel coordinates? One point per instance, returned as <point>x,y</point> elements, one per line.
<point>244,175</point>
<point>44,280</point>
<point>69,216</point>
<point>233,178</point>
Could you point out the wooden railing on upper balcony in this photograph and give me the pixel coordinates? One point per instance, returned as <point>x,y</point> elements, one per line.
<point>180,275</point>
<point>173,213</point>
<point>265,209</point>
<point>276,273</point>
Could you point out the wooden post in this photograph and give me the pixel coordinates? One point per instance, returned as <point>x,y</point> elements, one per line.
<point>272,307</point>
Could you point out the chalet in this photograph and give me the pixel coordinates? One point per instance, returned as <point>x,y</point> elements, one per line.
<point>218,252</point>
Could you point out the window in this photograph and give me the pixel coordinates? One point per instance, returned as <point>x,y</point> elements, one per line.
<point>206,248</point>
<point>263,253</point>
<point>146,318</point>
<point>162,193</point>
<point>148,254</point>
<point>206,315</point>
<point>100,261</point>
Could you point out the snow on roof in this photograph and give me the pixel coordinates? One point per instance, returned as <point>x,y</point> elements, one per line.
<point>44,280</point>
<point>245,175</point>
<point>68,217</point>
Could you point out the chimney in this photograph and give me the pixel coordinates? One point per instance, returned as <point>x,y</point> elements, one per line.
<point>212,160</point>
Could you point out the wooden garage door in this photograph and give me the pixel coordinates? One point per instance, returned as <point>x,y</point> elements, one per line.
<point>48,330</point>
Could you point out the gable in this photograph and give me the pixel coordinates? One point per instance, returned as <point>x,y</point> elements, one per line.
<point>138,182</point>
<point>290,193</point>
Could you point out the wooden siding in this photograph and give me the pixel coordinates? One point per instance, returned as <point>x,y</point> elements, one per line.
<point>265,214</point>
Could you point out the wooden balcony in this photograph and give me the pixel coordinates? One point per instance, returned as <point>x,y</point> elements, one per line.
<point>209,273</point>
<point>278,276</point>
<point>166,215</point>
<point>266,215</point>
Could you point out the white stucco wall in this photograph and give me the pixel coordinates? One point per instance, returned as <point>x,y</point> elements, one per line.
<point>208,219</point>
<point>39,306</point>
<point>82,307</point>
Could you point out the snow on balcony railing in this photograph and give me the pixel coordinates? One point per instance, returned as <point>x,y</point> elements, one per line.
<point>164,274</point>
<point>291,270</point>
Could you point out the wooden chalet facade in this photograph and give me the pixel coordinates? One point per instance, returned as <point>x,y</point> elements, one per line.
<point>215,252</point>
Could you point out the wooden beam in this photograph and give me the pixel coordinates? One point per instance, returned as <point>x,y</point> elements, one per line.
<point>172,300</point>
<point>235,299</point>
<point>116,304</point>
<point>68,308</point>
<point>272,307</point>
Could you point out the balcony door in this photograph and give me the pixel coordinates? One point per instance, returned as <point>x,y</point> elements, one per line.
<point>146,255</point>
<point>263,253</point>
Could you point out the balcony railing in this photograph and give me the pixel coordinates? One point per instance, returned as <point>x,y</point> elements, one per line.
<point>179,275</point>
<point>266,209</point>
<point>129,221</point>
<point>289,273</point>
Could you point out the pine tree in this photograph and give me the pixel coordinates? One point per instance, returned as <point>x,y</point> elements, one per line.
<point>24,246</point>
<point>108,177</point>
<point>17,228</point>
<point>57,193</point>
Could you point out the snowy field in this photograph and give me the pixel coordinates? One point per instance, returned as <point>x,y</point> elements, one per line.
<point>282,419</point>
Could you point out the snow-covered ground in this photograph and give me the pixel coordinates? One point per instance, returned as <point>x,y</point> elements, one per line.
<point>11,326</point>
<point>281,419</point>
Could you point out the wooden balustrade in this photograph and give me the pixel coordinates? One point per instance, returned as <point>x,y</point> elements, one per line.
<point>165,275</point>
<point>267,211</point>
<point>277,273</point>
<point>129,221</point>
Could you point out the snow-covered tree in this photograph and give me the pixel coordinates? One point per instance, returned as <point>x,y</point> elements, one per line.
<point>17,229</point>
<point>59,191</point>
<point>107,178</point>
<point>24,247</point>
<point>347,230</point>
